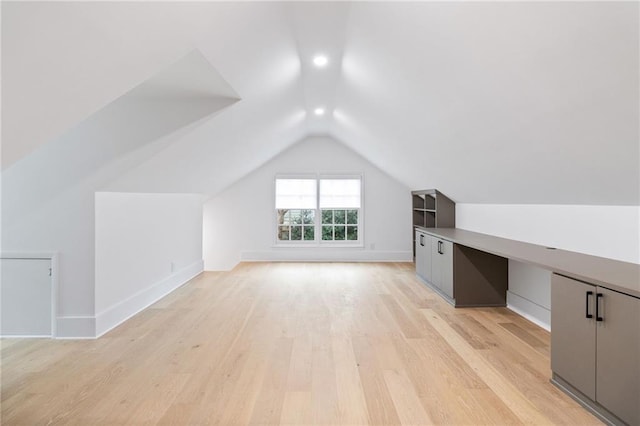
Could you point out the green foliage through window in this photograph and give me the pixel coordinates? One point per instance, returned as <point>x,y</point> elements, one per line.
<point>296,225</point>
<point>333,225</point>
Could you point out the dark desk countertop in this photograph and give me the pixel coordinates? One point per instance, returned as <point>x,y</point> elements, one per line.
<point>612,274</point>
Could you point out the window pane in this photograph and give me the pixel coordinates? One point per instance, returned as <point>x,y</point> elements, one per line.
<point>340,193</point>
<point>327,216</point>
<point>352,216</point>
<point>309,233</point>
<point>308,217</point>
<point>352,233</point>
<point>295,193</point>
<point>283,233</point>
<point>327,233</point>
<point>296,216</point>
<point>339,233</point>
<point>296,233</point>
<point>339,216</point>
<point>282,216</point>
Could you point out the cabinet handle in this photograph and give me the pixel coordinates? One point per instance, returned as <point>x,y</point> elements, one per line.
<point>598,297</point>
<point>422,240</point>
<point>587,314</point>
<point>440,247</point>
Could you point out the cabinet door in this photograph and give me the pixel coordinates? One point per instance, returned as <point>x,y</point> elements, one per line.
<point>26,287</point>
<point>618,355</point>
<point>573,335</point>
<point>428,260</point>
<point>442,265</point>
<point>436,264</point>
<point>446,273</point>
<point>421,254</point>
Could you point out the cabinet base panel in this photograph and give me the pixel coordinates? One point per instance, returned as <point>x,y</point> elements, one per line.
<point>437,290</point>
<point>480,305</point>
<point>480,278</point>
<point>456,304</point>
<point>593,407</point>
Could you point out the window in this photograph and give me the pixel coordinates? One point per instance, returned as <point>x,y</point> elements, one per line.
<point>296,202</point>
<point>319,211</point>
<point>339,207</point>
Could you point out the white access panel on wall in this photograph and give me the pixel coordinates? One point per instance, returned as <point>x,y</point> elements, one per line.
<point>26,295</point>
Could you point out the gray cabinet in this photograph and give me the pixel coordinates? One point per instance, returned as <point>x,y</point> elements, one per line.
<point>465,277</point>
<point>573,336</point>
<point>618,355</point>
<point>434,263</point>
<point>432,209</point>
<point>423,255</point>
<point>595,347</point>
<point>442,265</point>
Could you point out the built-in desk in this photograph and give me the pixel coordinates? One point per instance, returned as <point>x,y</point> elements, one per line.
<point>615,275</point>
<point>595,314</point>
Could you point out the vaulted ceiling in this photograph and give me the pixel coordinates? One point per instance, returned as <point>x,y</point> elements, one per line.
<point>505,102</point>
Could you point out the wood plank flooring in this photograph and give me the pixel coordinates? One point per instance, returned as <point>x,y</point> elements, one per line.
<point>294,344</point>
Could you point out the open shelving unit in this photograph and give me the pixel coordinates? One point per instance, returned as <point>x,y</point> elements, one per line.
<point>431,209</point>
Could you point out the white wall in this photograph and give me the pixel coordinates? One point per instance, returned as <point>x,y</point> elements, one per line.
<point>62,219</point>
<point>529,292</point>
<point>146,246</point>
<point>606,231</point>
<point>48,197</point>
<point>239,223</point>
<point>62,225</point>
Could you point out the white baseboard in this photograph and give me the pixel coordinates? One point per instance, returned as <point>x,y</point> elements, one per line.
<point>125,309</point>
<point>25,336</point>
<point>88,327</point>
<point>326,255</point>
<point>535,313</point>
<point>75,327</point>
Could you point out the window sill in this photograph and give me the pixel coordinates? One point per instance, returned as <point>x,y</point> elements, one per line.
<point>319,245</point>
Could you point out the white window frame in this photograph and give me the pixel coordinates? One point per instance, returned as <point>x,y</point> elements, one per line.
<point>342,243</point>
<point>294,243</point>
<point>318,242</point>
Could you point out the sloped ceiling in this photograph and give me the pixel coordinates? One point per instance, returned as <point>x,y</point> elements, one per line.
<point>119,136</point>
<point>505,102</point>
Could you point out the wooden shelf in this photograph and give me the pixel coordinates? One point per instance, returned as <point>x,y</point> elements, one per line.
<point>432,209</point>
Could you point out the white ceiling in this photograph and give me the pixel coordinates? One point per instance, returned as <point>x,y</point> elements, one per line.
<point>506,102</point>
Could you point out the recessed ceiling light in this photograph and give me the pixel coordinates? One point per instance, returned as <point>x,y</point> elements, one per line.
<point>320,60</point>
<point>318,111</point>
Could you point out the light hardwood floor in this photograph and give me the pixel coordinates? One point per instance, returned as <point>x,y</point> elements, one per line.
<point>294,343</point>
